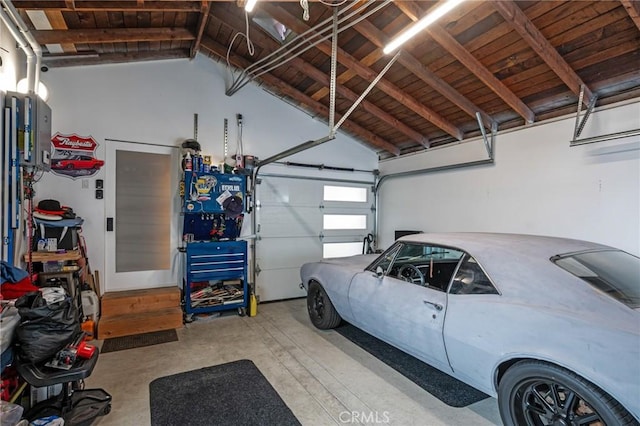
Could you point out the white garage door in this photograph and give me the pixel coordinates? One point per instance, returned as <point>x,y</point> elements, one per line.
<point>296,223</point>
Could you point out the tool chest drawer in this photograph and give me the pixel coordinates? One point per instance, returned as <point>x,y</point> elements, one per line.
<point>216,260</point>
<point>215,277</point>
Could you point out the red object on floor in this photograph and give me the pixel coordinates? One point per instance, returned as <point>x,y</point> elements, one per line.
<point>15,290</point>
<point>10,383</point>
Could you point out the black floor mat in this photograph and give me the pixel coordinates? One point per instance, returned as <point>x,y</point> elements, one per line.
<point>235,393</point>
<point>447,389</point>
<point>139,340</point>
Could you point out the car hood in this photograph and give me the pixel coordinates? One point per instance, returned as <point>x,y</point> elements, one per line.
<point>359,262</point>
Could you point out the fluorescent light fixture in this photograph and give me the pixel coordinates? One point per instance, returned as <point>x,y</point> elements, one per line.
<point>437,13</point>
<point>42,91</point>
<point>248,6</point>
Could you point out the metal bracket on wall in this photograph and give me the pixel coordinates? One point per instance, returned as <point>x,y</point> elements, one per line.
<point>580,124</point>
<point>494,130</point>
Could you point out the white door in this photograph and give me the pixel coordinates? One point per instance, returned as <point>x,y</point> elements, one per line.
<point>295,226</point>
<point>142,208</point>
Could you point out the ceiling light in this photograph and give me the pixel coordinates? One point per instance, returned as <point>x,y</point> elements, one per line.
<point>42,91</point>
<point>249,5</point>
<point>423,23</point>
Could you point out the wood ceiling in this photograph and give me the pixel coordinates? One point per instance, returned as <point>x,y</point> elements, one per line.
<point>514,62</point>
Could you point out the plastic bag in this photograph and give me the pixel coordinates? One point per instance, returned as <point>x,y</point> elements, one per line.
<point>10,414</point>
<point>45,328</point>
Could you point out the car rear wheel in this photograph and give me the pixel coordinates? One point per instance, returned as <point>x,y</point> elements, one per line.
<point>536,393</point>
<point>321,311</point>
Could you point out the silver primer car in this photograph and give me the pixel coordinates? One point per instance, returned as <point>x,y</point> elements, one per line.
<point>549,326</point>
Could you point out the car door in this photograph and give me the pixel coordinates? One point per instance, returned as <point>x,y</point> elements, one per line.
<point>409,315</point>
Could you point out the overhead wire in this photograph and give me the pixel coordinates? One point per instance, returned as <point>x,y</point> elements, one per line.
<point>250,47</point>
<point>316,31</point>
<point>285,53</point>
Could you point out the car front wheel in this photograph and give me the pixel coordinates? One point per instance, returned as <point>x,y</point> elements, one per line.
<point>535,393</point>
<point>321,311</point>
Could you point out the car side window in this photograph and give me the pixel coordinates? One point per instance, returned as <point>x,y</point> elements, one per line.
<point>471,279</point>
<point>425,265</point>
<point>384,261</point>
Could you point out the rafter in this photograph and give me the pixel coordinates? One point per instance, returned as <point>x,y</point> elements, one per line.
<point>378,38</point>
<point>280,86</point>
<point>113,6</point>
<point>202,24</point>
<point>321,77</point>
<point>449,43</point>
<point>633,9</point>
<point>60,61</point>
<point>368,74</point>
<point>111,35</point>
<point>528,31</point>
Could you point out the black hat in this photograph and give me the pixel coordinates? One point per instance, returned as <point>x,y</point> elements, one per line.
<point>232,206</point>
<point>191,144</point>
<point>49,205</point>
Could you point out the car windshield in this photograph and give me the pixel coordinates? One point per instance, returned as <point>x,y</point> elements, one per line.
<point>612,271</point>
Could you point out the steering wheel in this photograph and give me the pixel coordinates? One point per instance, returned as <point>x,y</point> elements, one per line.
<point>413,275</point>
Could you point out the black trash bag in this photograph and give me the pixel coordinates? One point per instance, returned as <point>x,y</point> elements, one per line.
<point>44,329</point>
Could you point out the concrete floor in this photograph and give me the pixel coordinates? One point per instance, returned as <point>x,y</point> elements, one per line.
<point>323,377</point>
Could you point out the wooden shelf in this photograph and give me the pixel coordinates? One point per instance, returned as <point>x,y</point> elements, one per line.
<point>39,256</point>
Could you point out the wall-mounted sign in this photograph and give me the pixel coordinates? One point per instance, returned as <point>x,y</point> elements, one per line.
<point>73,156</point>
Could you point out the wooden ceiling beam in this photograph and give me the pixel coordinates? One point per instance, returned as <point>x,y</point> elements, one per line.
<point>220,51</point>
<point>367,73</point>
<point>60,61</point>
<point>321,77</point>
<point>449,43</point>
<point>111,6</point>
<point>202,24</point>
<point>111,35</point>
<point>377,37</point>
<point>633,9</point>
<point>539,43</point>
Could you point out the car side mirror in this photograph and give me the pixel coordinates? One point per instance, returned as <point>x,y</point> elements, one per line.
<point>379,272</point>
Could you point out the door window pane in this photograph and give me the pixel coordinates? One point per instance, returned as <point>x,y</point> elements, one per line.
<point>143,211</point>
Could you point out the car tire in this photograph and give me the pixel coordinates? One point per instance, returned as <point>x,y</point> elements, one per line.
<point>321,311</point>
<point>523,384</point>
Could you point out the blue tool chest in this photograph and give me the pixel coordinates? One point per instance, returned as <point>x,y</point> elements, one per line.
<point>216,263</point>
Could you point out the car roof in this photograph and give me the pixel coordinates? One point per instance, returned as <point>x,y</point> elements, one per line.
<point>506,244</point>
<point>518,264</point>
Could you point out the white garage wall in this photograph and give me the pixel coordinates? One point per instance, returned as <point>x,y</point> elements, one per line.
<point>155,102</point>
<point>538,185</point>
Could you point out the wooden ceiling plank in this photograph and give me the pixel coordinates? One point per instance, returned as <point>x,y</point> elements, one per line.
<point>367,73</point>
<point>280,86</point>
<point>321,77</point>
<point>111,35</point>
<point>633,9</point>
<point>412,64</point>
<point>202,24</point>
<point>446,40</point>
<point>538,42</point>
<point>56,19</point>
